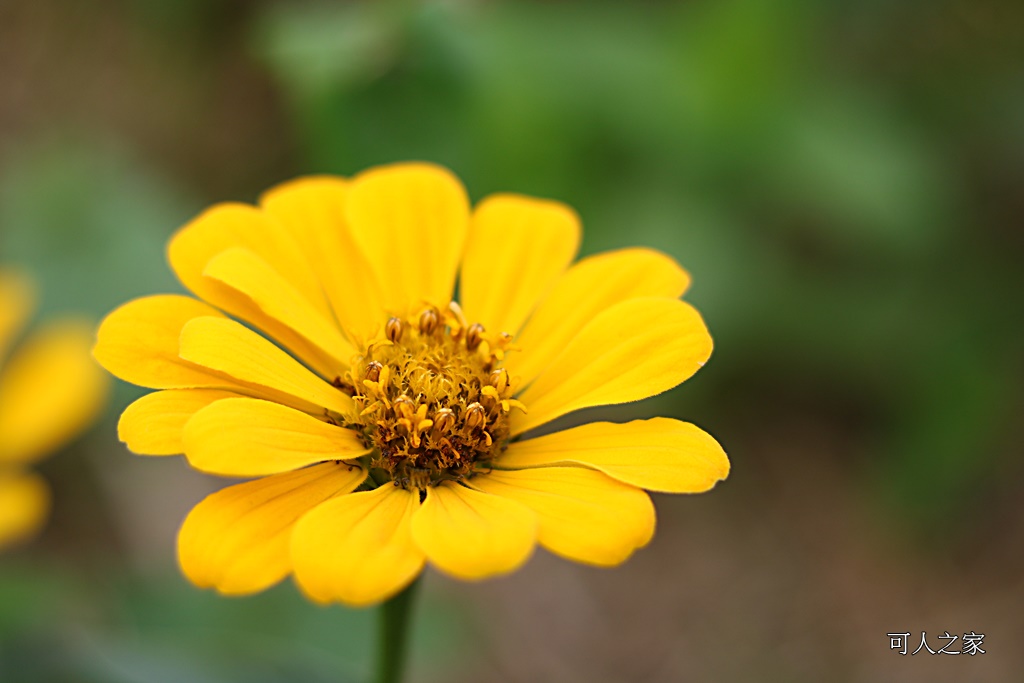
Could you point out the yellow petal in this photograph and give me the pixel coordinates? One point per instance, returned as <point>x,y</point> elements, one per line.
<point>230,348</point>
<point>287,315</point>
<point>24,506</point>
<point>238,226</point>
<point>313,211</point>
<point>50,391</point>
<point>473,535</point>
<point>591,286</point>
<point>357,549</point>
<point>247,437</point>
<point>236,540</point>
<point>410,220</point>
<point>583,515</point>
<point>153,424</point>
<point>224,226</point>
<point>659,454</point>
<point>17,299</point>
<point>635,349</point>
<point>138,342</point>
<point>516,251</point>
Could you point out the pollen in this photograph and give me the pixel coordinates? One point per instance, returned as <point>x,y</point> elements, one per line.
<point>432,398</point>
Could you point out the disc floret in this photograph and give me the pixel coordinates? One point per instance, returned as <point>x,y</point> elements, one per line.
<point>432,398</point>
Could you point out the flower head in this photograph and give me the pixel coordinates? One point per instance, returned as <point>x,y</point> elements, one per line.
<point>384,427</point>
<point>50,390</point>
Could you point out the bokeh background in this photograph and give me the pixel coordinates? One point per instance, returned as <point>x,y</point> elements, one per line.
<point>842,179</point>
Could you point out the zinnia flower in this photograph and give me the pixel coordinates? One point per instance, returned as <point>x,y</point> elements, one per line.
<point>385,424</point>
<point>50,390</point>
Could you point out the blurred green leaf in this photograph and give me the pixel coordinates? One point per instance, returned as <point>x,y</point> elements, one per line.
<point>89,221</point>
<point>163,630</point>
<point>874,182</point>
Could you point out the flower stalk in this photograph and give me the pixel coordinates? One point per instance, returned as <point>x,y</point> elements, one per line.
<point>393,634</point>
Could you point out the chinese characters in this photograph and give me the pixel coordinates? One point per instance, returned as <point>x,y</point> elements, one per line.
<point>970,644</point>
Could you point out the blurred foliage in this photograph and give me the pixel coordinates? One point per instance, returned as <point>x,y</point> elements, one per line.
<point>116,629</point>
<point>88,221</point>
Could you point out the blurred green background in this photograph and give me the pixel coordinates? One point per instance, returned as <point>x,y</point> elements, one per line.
<point>842,179</point>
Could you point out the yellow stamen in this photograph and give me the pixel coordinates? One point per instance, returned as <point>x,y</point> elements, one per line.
<point>432,400</point>
<point>393,330</point>
<point>429,319</point>
<point>373,369</point>
<point>474,335</point>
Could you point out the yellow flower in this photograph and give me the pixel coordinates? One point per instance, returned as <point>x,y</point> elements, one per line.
<point>389,436</point>
<point>50,390</point>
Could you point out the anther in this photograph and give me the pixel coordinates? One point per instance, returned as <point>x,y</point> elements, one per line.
<point>444,420</point>
<point>456,310</point>
<point>429,319</point>
<point>373,369</point>
<point>499,379</point>
<point>405,406</point>
<point>475,415</point>
<point>474,335</point>
<point>393,330</point>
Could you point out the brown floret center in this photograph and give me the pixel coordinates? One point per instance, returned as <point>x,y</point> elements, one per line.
<point>432,398</point>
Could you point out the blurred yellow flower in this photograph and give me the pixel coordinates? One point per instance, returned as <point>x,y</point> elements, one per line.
<point>50,390</point>
<point>388,434</point>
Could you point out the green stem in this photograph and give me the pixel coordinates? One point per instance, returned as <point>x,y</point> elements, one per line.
<point>393,634</point>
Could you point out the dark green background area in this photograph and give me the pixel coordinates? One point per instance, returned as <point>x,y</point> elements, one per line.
<point>842,179</point>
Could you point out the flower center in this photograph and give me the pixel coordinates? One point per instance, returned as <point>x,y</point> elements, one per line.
<point>432,398</point>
